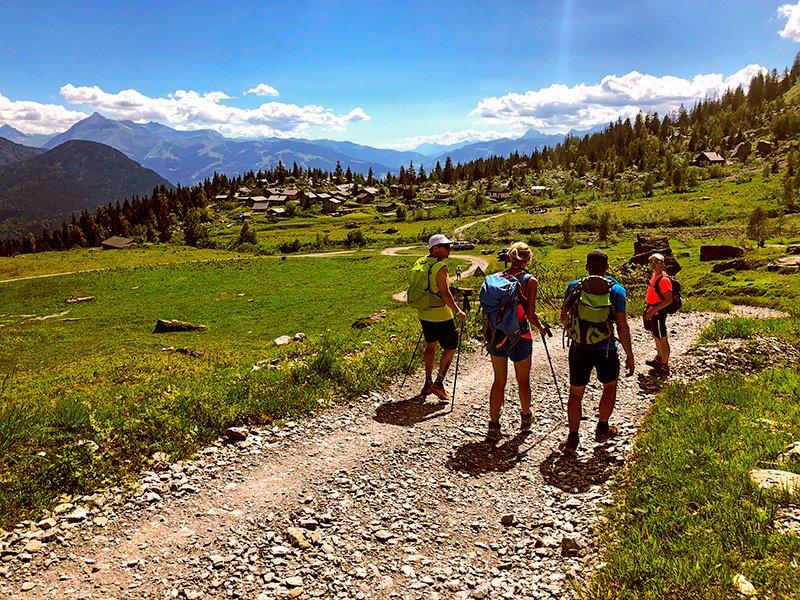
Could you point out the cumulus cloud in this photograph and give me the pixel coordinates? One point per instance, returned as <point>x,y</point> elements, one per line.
<point>560,108</point>
<point>187,109</point>
<point>454,137</point>
<point>791,12</point>
<point>35,117</point>
<point>262,89</point>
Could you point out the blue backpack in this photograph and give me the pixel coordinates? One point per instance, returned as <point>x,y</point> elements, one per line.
<point>500,296</point>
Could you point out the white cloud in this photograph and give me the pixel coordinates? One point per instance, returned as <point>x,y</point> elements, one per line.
<point>35,117</point>
<point>791,12</point>
<point>190,110</point>
<point>560,108</point>
<point>262,89</point>
<point>455,137</point>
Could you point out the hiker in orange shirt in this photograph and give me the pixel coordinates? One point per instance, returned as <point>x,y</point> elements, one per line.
<point>659,296</point>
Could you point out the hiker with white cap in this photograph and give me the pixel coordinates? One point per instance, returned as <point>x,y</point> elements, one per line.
<point>429,292</point>
<point>658,298</point>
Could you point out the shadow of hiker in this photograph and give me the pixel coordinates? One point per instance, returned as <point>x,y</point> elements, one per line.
<point>652,382</point>
<point>407,412</point>
<point>571,474</point>
<point>481,457</point>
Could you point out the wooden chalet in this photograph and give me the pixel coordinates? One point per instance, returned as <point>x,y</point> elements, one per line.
<point>539,190</point>
<point>258,199</point>
<point>291,194</point>
<point>276,211</point>
<point>277,199</point>
<point>386,206</point>
<point>116,242</point>
<point>331,205</point>
<point>499,192</point>
<point>261,206</point>
<point>708,158</point>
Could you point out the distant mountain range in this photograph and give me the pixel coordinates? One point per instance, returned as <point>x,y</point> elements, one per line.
<point>47,187</point>
<point>186,157</point>
<point>26,139</point>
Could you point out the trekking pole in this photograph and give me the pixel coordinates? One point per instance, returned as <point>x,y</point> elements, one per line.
<point>458,354</point>
<point>549,360</point>
<point>411,362</point>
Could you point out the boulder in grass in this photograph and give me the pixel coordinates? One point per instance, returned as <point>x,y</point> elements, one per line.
<point>720,252</point>
<point>768,479</point>
<point>764,148</point>
<point>172,326</point>
<point>364,322</point>
<point>77,299</point>
<point>282,340</point>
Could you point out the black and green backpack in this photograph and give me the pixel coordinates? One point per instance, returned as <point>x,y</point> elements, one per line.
<point>591,313</point>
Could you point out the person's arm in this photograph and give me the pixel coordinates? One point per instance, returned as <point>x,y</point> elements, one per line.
<point>533,318</point>
<point>444,289</point>
<point>665,293</point>
<point>624,335</point>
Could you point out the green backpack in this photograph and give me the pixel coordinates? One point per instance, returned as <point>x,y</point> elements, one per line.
<point>419,294</point>
<point>591,314</point>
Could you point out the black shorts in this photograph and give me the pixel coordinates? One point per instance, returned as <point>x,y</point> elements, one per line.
<point>443,332</point>
<point>657,325</point>
<point>582,360</point>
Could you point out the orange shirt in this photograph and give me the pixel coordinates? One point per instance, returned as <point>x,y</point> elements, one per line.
<point>664,286</point>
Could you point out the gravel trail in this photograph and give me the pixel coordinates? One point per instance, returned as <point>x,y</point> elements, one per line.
<point>384,497</point>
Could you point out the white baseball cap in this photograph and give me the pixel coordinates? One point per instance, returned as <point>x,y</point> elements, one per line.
<point>438,240</point>
<point>657,256</point>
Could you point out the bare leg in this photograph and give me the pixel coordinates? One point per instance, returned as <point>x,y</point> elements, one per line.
<point>444,362</point>
<point>522,370</point>
<point>574,408</point>
<point>662,344</point>
<point>500,366</point>
<point>430,358</point>
<point>607,400</point>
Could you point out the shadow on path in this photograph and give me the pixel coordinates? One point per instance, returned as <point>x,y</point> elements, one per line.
<point>652,382</point>
<point>408,412</point>
<point>485,456</point>
<point>576,474</point>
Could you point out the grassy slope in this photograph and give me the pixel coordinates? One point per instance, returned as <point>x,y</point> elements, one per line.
<point>100,374</point>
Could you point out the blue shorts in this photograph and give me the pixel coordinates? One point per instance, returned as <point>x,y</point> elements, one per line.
<point>518,352</point>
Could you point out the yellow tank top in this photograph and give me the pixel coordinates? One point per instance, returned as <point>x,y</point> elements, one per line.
<point>439,313</point>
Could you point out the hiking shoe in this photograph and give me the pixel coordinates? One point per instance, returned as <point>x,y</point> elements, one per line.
<point>525,420</point>
<point>653,362</point>
<point>437,389</point>
<point>662,370</point>
<point>603,434</point>
<point>494,434</point>
<point>569,446</point>
<point>426,389</point>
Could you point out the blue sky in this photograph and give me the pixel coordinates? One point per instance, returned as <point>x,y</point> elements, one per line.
<point>379,73</point>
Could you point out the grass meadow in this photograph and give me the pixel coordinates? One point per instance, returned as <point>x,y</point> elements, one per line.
<point>95,372</point>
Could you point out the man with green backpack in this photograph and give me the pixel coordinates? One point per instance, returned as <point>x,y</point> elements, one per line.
<point>429,292</point>
<point>593,306</point>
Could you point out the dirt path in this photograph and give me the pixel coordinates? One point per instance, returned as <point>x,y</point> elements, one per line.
<point>458,231</point>
<point>391,500</point>
<point>474,263</point>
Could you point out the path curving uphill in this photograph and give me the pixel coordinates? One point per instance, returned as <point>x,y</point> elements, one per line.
<point>474,263</point>
<point>458,231</point>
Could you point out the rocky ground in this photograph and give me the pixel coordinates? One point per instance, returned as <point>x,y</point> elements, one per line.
<point>385,497</point>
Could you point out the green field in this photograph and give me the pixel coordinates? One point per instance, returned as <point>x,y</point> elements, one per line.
<point>94,371</point>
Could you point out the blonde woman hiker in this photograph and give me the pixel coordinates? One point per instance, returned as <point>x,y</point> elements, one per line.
<point>508,300</point>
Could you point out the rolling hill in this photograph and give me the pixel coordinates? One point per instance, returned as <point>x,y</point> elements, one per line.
<point>48,188</point>
<point>13,153</point>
